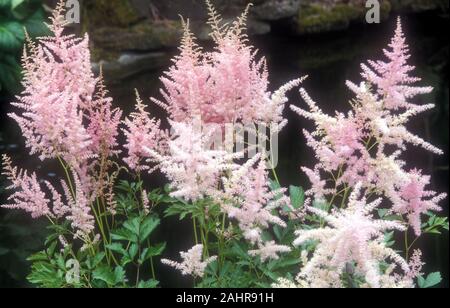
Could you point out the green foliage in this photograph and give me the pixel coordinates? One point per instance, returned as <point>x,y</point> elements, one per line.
<point>15,16</point>
<point>435,224</point>
<point>432,280</point>
<point>125,252</point>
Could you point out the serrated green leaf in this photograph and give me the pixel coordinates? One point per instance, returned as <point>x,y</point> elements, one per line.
<point>155,250</point>
<point>149,284</point>
<point>297,196</point>
<point>432,280</point>
<point>147,226</point>
<point>116,247</point>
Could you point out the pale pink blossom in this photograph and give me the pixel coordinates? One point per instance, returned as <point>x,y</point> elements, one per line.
<point>142,131</point>
<point>192,262</point>
<point>392,80</point>
<point>226,85</point>
<point>353,236</point>
<point>269,250</point>
<point>28,194</point>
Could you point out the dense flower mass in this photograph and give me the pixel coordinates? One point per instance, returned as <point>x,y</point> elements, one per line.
<point>192,263</point>
<point>365,145</point>
<point>64,113</point>
<point>226,85</point>
<point>248,230</point>
<point>361,151</point>
<point>354,236</point>
<point>142,132</point>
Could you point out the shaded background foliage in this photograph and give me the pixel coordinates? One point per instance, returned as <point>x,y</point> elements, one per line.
<point>327,39</point>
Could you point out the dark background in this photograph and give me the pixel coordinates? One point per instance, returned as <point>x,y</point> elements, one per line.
<point>329,56</point>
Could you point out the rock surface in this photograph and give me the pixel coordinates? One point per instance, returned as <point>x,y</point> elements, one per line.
<point>121,28</point>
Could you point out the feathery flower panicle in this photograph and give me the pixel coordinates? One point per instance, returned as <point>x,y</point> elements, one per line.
<point>57,81</point>
<point>192,263</point>
<point>193,168</point>
<point>104,120</point>
<point>78,208</point>
<point>364,146</point>
<point>248,199</point>
<point>269,250</point>
<point>392,80</point>
<point>61,112</point>
<point>141,131</point>
<point>226,85</point>
<point>28,194</point>
<point>353,236</point>
<point>416,200</point>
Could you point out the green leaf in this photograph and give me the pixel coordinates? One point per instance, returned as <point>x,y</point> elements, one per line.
<point>149,284</point>
<point>132,225</point>
<point>116,247</point>
<point>155,250</point>
<point>133,251</point>
<point>297,196</point>
<point>119,275</point>
<point>16,3</point>
<point>105,274</point>
<point>147,227</point>
<point>432,280</point>
<point>124,235</point>
<point>35,25</point>
<point>12,36</point>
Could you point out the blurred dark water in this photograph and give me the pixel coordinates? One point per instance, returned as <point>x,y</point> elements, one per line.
<point>329,60</point>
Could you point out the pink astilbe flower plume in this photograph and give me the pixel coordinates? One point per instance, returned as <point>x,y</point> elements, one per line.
<point>28,194</point>
<point>365,145</point>
<point>193,168</point>
<point>391,78</point>
<point>142,131</point>
<point>58,82</point>
<point>354,236</point>
<point>416,200</point>
<point>226,85</point>
<point>193,263</point>
<point>248,199</point>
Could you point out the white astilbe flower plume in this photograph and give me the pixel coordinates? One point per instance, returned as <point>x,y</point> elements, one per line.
<point>248,199</point>
<point>192,167</point>
<point>192,263</point>
<point>353,236</point>
<point>269,250</point>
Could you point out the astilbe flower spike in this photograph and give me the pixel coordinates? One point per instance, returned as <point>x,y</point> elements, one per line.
<point>226,85</point>
<point>248,200</point>
<point>65,113</point>
<point>193,263</point>
<point>354,236</point>
<point>58,82</point>
<point>28,194</point>
<point>392,78</point>
<point>141,131</point>
<point>193,168</point>
<point>365,145</point>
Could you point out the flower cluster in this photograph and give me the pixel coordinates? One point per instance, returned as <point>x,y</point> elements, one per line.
<point>226,85</point>
<point>354,236</point>
<point>361,152</point>
<point>365,144</point>
<point>192,263</point>
<point>142,132</point>
<point>64,113</point>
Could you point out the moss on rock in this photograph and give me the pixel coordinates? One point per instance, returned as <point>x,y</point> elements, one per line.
<point>108,13</point>
<point>318,17</point>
